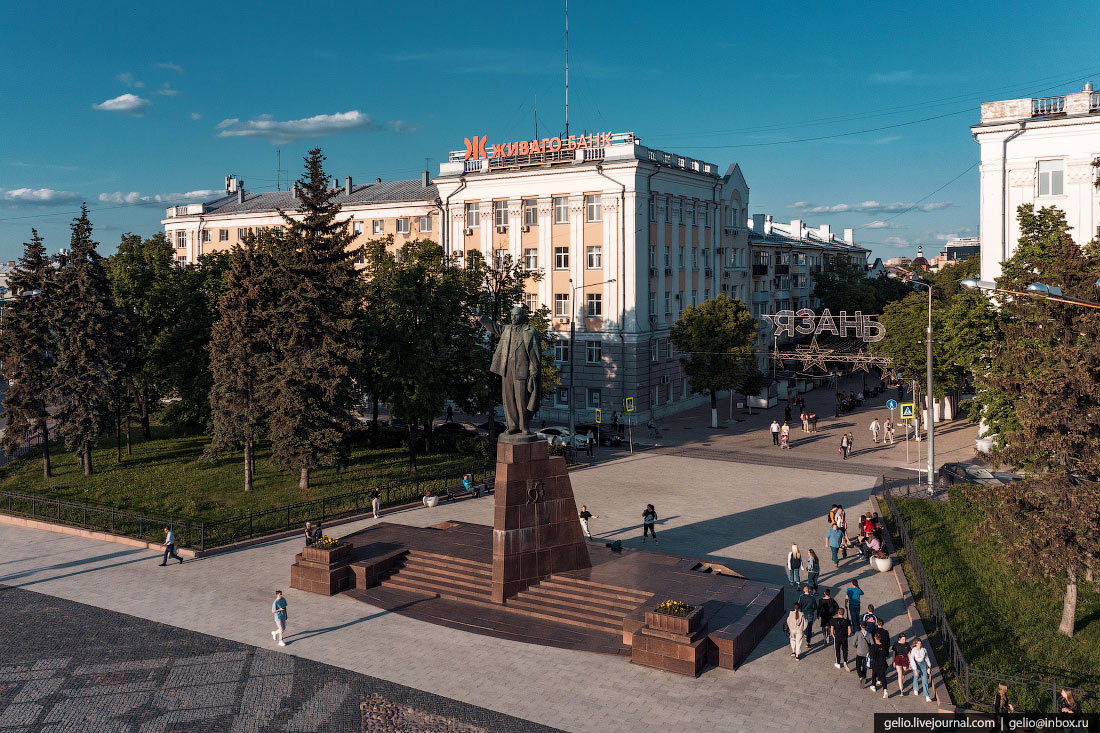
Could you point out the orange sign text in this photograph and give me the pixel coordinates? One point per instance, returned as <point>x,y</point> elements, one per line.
<point>476,148</point>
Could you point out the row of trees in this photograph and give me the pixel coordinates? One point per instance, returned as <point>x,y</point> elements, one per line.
<point>279,339</point>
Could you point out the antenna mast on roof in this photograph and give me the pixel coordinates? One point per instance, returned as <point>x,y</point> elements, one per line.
<point>566,68</point>
<point>536,114</point>
<point>278,169</point>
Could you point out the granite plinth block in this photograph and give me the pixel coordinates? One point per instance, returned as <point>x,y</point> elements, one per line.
<point>682,625</point>
<point>340,553</point>
<point>535,528</point>
<point>325,572</point>
<point>369,573</point>
<point>684,654</point>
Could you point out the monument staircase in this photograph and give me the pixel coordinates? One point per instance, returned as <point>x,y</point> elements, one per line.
<point>571,601</point>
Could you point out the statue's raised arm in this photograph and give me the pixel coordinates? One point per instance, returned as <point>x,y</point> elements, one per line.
<point>518,361</point>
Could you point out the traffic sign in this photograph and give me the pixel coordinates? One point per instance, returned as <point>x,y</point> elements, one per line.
<point>598,414</point>
<point>891,404</point>
<point>906,410</point>
<point>630,404</point>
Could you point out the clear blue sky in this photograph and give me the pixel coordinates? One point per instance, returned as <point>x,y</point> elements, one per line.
<point>130,106</point>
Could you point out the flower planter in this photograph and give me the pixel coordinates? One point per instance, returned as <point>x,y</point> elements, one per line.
<point>431,501</point>
<point>331,556</point>
<point>882,564</point>
<point>683,625</point>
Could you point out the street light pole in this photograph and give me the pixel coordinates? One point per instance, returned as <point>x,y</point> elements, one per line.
<point>911,279</point>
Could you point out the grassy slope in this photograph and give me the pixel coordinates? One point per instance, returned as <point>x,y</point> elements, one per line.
<point>169,476</point>
<point>1003,624</point>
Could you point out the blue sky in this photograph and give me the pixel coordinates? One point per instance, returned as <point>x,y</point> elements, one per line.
<point>845,114</point>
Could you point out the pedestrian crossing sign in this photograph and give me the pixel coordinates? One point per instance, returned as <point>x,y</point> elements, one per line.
<point>630,404</point>
<point>906,410</point>
<point>598,414</point>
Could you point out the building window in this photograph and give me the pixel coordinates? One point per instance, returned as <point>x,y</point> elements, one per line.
<point>652,304</point>
<point>595,257</point>
<point>690,212</point>
<point>472,255</point>
<point>668,256</point>
<point>242,233</point>
<point>655,350</point>
<point>593,352</point>
<point>500,213</point>
<point>652,256</point>
<point>561,351</point>
<point>681,258</point>
<point>655,397</point>
<point>561,258</point>
<point>652,209</point>
<point>592,208</point>
<point>561,210</point>
<point>360,258</point>
<point>668,211</point>
<point>695,258</point>
<point>403,225</point>
<point>425,224</point>
<point>181,240</point>
<point>668,304</point>
<point>593,398</point>
<point>531,302</point>
<point>531,258</point>
<point>223,235</point>
<point>594,306</point>
<point>561,305</point>
<point>473,215</point>
<point>706,294</point>
<point>530,212</point>
<point>694,298</point>
<point>677,211</point>
<point>378,226</point>
<point>561,397</point>
<point>182,259</point>
<point>357,228</point>
<point>206,235</point>
<point>1050,178</point>
<point>500,259</point>
<point>260,231</point>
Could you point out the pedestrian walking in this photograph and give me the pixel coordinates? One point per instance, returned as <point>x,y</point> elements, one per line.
<point>794,566</point>
<point>787,412</point>
<point>796,627</point>
<point>614,422</point>
<point>1001,704</point>
<point>808,603</point>
<point>169,547</point>
<point>813,568</point>
<point>813,421</point>
<point>785,435</point>
<point>918,662</point>
<point>589,443</point>
<point>840,628</point>
<point>851,443</point>
<point>861,647</point>
<point>450,413</point>
<point>853,596</point>
<point>278,610</point>
<point>805,421</point>
<point>876,428</point>
<point>827,611</point>
<point>879,653</point>
<point>652,425</point>
<point>869,620</point>
<point>586,515</point>
<point>901,650</point>
<point>888,430</point>
<point>775,432</point>
<point>376,501</point>
<point>844,445</point>
<point>834,538</point>
<point>649,517</point>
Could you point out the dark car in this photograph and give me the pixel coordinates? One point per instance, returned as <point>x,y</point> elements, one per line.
<point>607,437</point>
<point>965,473</point>
<point>454,428</point>
<point>498,427</point>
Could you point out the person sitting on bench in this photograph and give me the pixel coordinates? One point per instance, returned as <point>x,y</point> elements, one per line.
<point>468,482</point>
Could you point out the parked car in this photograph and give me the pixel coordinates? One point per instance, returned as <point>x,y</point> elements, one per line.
<point>498,427</point>
<point>606,437</point>
<point>561,436</point>
<point>965,473</point>
<point>455,428</point>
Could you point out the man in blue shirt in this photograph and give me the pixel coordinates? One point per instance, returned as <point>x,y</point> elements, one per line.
<point>169,547</point>
<point>278,609</point>
<point>834,538</point>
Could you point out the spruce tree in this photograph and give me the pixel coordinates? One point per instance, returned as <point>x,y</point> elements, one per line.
<point>27,348</point>
<point>87,336</point>
<point>309,386</point>
<point>240,354</point>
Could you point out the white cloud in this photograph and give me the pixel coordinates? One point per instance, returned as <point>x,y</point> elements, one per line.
<point>896,242</point>
<point>878,224</point>
<point>268,128</point>
<point>868,207</point>
<point>196,116</point>
<point>135,197</point>
<point>226,123</point>
<point>168,65</point>
<point>130,103</point>
<point>128,79</point>
<point>167,91</point>
<point>40,196</point>
<point>400,126</point>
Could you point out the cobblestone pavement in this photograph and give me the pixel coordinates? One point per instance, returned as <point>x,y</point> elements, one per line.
<point>73,667</point>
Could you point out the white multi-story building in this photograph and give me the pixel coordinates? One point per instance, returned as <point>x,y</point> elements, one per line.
<point>1037,151</point>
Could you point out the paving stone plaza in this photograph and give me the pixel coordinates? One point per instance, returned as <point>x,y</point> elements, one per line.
<point>194,650</point>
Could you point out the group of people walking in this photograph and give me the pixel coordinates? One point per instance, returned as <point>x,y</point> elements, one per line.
<point>856,636</point>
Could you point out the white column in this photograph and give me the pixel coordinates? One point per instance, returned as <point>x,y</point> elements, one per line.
<point>576,256</point>
<point>458,238</point>
<point>611,245</point>
<point>515,221</point>
<point>546,252</point>
<point>486,220</point>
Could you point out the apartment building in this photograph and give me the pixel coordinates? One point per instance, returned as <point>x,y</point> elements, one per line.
<point>1037,151</point>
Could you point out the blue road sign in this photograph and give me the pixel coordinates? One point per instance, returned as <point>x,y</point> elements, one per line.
<point>891,404</point>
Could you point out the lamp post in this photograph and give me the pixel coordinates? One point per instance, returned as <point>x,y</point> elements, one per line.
<point>573,356</point>
<point>912,280</point>
<point>1034,290</point>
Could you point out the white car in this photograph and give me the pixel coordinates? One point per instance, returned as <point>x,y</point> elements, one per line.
<point>561,436</point>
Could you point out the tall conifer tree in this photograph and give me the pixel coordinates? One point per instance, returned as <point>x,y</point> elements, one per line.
<point>26,343</point>
<point>309,387</point>
<point>87,333</point>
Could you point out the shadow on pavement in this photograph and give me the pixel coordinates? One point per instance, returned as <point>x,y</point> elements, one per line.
<point>70,564</point>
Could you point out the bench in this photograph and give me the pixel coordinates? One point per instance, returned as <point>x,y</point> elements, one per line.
<point>458,491</point>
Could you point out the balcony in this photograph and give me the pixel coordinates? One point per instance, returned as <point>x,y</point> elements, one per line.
<point>782,269</point>
<point>762,297</point>
<point>815,269</point>
<point>760,270</point>
<point>1048,106</point>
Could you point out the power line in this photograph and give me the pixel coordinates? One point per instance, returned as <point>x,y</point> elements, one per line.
<point>917,203</point>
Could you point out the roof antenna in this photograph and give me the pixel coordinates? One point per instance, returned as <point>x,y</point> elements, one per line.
<point>536,117</point>
<point>566,69</point>
<point>278,169</point>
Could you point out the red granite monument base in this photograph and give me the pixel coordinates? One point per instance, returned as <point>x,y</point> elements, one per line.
<point>535,528</point>
<point>322,571</point>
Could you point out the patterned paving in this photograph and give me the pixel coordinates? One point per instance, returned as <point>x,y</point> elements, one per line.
<point>67,666</point>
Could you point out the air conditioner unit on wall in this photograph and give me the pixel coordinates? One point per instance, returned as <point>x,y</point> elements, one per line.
<point>668,270</point>
<point>563,320</point>
<point>502,229</point>
<point>653,272</point>
<point>468,231</point>
<point>526,228</point>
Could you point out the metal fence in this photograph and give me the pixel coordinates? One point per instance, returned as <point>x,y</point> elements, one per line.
<point>978,686</point>
<point>198,534</point>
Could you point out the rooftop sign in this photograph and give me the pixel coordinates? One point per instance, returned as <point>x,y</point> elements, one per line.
<point>842,324</point>
<point>477,149</point>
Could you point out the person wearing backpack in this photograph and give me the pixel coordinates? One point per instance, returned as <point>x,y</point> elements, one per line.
<point>813,567</point>
<point>826,609</point>
<point>794,566</point>
<point>808,603</point>
<point>649,517</point>
<point>861,646</point>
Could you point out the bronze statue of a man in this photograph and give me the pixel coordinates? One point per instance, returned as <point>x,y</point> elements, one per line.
<point>518,361</point>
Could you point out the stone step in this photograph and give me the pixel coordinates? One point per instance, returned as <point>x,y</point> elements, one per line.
<point>580,610</point>
<point>603,589</point>
<point>449,559</point>
<point>437,588</point>
<point>428,576</point>
<point>572,618</point>
<point>445,568</point>
<point>581,598</point>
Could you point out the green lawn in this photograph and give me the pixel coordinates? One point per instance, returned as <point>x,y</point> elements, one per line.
<point>1003,624</point>
<point>169,476</point>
